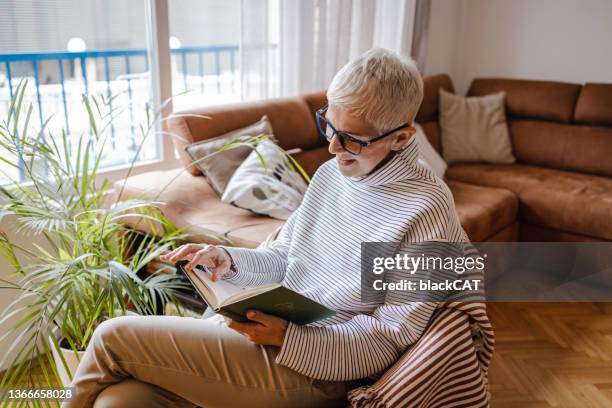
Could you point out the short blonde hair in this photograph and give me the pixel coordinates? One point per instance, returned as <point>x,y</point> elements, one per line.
<point>379,86</point>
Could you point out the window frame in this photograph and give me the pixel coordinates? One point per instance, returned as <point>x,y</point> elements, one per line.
<point>158,47</point>
<point>157,23</point>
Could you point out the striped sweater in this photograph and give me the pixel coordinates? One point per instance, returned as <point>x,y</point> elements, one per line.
<point>317,254</point>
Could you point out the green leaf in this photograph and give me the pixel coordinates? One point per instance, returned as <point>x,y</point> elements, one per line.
<point>92,119</point>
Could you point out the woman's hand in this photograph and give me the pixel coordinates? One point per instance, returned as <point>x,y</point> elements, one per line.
<point>267,330</point>
<point>214,258</point>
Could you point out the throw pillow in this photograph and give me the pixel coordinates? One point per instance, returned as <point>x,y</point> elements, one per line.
<point>275,190</point>
<point>428,153</point>
<point>474,129</point>
<point>220,167</point>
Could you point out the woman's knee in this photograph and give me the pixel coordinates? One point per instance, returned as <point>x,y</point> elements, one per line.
<point>111,330</point>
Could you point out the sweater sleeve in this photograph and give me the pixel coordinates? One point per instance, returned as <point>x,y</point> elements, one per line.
<point>256,267</point>
<point>363,346</point>
<point>367,344</point>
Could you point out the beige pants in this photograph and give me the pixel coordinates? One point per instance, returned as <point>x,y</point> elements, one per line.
<point>163,361</point>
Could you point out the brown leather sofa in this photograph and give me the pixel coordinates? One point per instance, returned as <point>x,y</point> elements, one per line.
<point>560,188</point>
<point>562,139</point>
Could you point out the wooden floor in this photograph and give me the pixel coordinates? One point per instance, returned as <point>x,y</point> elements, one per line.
<point>551,355</point>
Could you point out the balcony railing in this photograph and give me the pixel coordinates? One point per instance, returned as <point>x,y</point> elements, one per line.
<point>121,76</point>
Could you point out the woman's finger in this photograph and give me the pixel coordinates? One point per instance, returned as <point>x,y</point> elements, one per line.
<point>179,253</point>
<point>183,251</point>
<point>187,257</point>
<point>202,257</point>
<point>170,254</point>
<point>222,266</point>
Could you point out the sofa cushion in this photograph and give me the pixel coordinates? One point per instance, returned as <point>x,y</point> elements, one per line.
<point>558,199</point>
<point>594,106</point>
<point>428,111</point>
<point>434,134</point>
<point>508,234</point>
<point>427,115</point>
<point>275,189</point>
<point>311,159</point>
<point>534,233</point>
<point>190,203</point>
<point>216,224</point>
<point>483,211</point>
<point>291,119</point>
<point>219,167</point>
<point>548,100</point>
<point>315,101</point>
<point>474,129</point>
<point>580,148</point>
<point>428,153</point>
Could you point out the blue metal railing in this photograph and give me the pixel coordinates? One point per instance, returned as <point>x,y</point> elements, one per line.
<point>127,54</point>
<point>14,62</point>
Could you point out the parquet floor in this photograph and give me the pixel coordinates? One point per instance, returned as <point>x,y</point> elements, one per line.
<point>551,355</point>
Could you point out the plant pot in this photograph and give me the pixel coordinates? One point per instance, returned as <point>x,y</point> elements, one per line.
<point>72,361</point>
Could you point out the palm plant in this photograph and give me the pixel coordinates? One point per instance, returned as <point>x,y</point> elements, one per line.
<point>87,269</point>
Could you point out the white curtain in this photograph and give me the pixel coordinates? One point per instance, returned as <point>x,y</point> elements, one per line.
<point>291,47</point>
<point>419,33</point>
<point>258,50</point>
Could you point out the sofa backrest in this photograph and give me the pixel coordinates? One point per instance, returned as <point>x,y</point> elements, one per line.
<point>552,124</point>
<point>556,124</point>
<point>594,106</point>
<point>428,113</point>
<point>292,120</point>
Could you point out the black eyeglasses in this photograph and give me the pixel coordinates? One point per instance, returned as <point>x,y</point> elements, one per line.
<point>347,141</point>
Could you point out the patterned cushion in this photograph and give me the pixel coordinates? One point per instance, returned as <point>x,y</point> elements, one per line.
<point>275,190</point>
<point>219,167</point>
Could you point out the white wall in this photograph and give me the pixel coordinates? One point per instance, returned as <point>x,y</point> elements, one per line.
<point>562,40</point>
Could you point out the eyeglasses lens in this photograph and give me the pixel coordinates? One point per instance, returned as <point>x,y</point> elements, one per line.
<point>349,145</point>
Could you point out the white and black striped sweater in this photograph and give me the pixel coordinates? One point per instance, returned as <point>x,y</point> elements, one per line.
<point>317,254</point>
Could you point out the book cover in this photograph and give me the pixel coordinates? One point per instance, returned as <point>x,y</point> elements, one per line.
<point>279,301</point>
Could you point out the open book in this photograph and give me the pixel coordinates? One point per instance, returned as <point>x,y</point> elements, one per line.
<point>233,301</point>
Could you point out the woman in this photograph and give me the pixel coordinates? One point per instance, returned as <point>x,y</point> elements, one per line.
<point>373,190</point>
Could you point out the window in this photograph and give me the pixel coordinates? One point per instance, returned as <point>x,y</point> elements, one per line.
<point>221,51</point>
<point>204,42</point>
<point>67,48</point>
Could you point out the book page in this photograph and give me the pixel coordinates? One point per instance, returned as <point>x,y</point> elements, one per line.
<point>248,293</point>
<point>221,290</point>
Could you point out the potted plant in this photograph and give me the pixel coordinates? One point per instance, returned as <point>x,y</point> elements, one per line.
<point>87,269</point>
